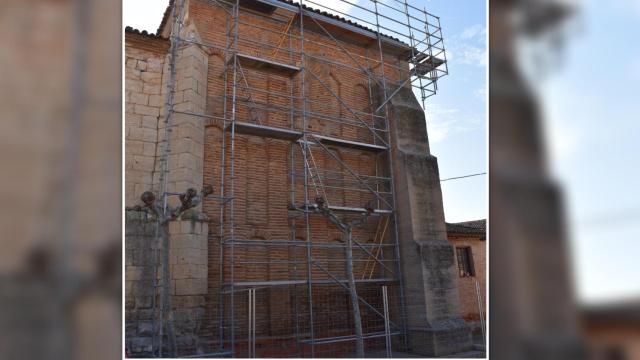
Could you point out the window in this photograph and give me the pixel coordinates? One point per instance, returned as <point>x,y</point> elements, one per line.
<point>465,262</point>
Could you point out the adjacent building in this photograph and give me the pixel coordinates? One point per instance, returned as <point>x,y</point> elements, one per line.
<point>470,241</point>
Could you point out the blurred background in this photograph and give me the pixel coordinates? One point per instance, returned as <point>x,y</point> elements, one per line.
<point>564,202</point>
<point>564,231</point>
<point>60,141</point>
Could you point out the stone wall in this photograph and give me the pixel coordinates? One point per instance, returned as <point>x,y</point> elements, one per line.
<point>139,272</point>
<point>434,325</point>
<point>147,72</point>
<point>144,96</point>
<point>188,261</point>
<point>187,132</point>
<point>188,280</point>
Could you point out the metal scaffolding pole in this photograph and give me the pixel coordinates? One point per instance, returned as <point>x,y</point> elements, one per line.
<point>393,198</point>
<point>481,312</point>
<point>355,303</point>
<point>241,97</point>
<point>252,323</point>
<point>305,145</point>
<point>223,204</point>
<point>236,13</point>
<point>164,319</point>
<point>387,328</point>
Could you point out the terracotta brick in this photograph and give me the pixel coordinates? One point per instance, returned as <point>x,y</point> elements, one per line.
<point>262,181</point>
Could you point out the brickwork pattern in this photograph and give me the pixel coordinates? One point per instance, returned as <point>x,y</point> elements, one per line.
<point>263,185</point>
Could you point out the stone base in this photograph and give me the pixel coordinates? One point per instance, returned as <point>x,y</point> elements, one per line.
<point>444,338</point>
<point>188,278</point>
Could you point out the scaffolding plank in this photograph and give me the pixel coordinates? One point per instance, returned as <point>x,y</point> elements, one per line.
<point>293,243</point>
<point>335,339</point>
<point>266,131</point>
<point>351,144</point>
<point>262,63</point>
<point>294,135</point>
<point>209,355</point>
<point>426,66</point>
<point>415,56</point>
<point>358,209</point>
<point>303,282</point>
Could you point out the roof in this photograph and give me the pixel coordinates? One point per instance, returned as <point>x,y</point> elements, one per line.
<point>131,30</point>
<point>165,17</point>
<point>167,12</point>
<point>476,227</point>
<point>622,312</point>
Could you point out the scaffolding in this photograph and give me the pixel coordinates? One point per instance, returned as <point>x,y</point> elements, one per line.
<point>297,305</point>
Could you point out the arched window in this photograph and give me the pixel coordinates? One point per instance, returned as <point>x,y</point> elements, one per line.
<point>333,178</point>
<point>334,125</point>
<point>256,180</point>
<point>278,87</point>
<point>361,101</point>
<point>325,108</point>
<point>367,167</point>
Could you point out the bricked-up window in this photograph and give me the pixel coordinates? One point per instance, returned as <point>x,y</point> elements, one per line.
<point>465,262</point>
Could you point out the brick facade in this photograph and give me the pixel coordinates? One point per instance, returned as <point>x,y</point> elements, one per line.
<point>340,100</point>
<point>476,241</point>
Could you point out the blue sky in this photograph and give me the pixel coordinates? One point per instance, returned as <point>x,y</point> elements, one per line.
<point>592,113</point>
<point>456,116</point>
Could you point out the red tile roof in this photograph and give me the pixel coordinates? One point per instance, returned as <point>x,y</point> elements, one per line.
<point>468,227</point>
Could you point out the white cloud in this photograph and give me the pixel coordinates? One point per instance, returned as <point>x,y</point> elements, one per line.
<point>478,32</point>
<point>472,55</point>
<point>443,122</point>
<point>469,47</point>
<point>440,122</point>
